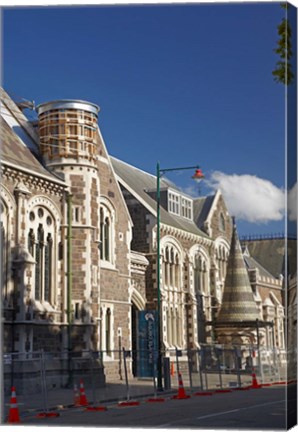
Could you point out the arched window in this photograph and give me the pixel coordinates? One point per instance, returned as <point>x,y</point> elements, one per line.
<point>171,284</point>
<point>48,268</point>
<point>40,241</point>
<point>108,331</point>
<point>106,233</point>
<point>221,254</point>
<point>202,292</point>
<point>222,222</point>
<point>201,274</point>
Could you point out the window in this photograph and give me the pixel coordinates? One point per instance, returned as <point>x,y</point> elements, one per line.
<point>186,208</point>
<point>76,217</point>
<point>222,223</point>
<point>200,269</point>
<point>171,275</point>
<point>106,233</point>
<point>174,203</point>
<point>179,205</point>
<point>40,245</point>
<point>77,311</point>
<point>48,268</point>
<point>202,292</point>
<point>171,267</point>
<point>221,254</point>
<point>108,331</point>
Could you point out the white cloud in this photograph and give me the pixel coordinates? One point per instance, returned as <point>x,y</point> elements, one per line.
<point>292,203</point>
<point>248,197</point>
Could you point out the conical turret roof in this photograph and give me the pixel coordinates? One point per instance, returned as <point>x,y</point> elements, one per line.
<point>238,304</point>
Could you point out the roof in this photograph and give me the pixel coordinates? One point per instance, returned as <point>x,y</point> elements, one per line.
<point>269,253</point>
<point>19,142</point>
<point>201,209</point>
<point>138,182</point>
<point>251,263</point>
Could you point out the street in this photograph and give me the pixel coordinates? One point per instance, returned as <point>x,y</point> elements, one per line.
<point>253,409</point>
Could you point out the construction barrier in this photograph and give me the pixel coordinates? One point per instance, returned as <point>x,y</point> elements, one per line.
<point>131,375</point>
<point>181,391</point>
<point>83,398</point>
<point>13,416</point>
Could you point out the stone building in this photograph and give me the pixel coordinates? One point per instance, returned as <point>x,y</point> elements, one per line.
<point>195,237</point>
<point>79,243</point>
<point>70,278</point>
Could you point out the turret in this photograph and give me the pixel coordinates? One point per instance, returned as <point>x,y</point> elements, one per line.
<point>67,131</point>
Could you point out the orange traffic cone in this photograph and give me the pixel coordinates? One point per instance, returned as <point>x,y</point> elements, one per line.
<point>83,399</point>
<point>255,382</point>
<point>181,392</point>
<point>13,416</point>
<point>76,396</point>
<point>172,369</point>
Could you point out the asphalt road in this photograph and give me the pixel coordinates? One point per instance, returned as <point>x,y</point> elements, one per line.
<point>253,409</point>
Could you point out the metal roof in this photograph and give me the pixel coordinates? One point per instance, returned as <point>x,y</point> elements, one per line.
<point>67,104</point>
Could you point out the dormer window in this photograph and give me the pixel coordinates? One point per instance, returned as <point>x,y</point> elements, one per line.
<point>174,203</point>
<point>186,207</point>
<point>179,205</point>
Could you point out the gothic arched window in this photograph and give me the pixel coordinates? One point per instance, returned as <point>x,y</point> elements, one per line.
<point>40,241</point>
<point>172,285</point>
<point>106,226</point>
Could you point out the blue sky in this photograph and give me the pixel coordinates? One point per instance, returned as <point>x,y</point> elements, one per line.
<point>185,85</point>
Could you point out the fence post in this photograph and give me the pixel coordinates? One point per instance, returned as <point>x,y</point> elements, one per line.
<point>126,376</point>
<point>189,368</point>
<point>120,360</point>
<point>92,377</point>
<point>218,366</point>
<point>205,370</point>
<point>177,363</point>
<point>200,369</point>
<point>237,367</point>
<point>43,381</point>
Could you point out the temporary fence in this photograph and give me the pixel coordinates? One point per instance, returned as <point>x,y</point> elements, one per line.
<point>45,380</point>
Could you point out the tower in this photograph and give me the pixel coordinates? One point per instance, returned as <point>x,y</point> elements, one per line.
<point>238,316</point>
<point>69,146</point>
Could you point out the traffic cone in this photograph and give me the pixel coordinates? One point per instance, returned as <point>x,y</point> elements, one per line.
<point>181,392</point>
<point>13,416</point>
<point>172,369</point>
<point>76,396</point>
<point>255,384</point>
<point>83,399</point>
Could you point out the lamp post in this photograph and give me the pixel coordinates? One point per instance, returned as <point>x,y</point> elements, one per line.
<point>198,175</point>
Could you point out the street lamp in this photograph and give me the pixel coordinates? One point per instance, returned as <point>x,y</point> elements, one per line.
<point>198,176</point>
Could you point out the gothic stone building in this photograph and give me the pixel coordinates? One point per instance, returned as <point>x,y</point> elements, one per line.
<point>195,248</point>
<point>66,236</point>
<point>78,236</point>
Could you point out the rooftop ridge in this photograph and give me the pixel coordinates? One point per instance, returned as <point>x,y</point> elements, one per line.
<point>253,237</point>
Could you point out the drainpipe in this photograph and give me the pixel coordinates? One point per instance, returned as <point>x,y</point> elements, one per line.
<point>69,283</point>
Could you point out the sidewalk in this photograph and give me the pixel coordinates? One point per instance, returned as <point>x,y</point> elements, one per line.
<point>64,398</point>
